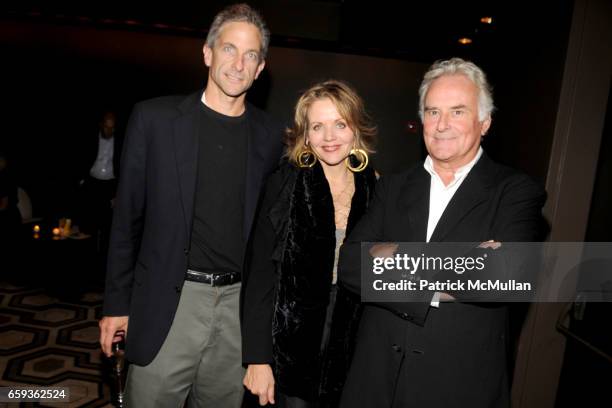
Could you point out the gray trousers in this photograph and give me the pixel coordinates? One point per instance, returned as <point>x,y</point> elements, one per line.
<point>200,359</point>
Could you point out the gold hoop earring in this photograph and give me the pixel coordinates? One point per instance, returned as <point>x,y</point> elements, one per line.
<point>361,156</point>
<point>305,157</point>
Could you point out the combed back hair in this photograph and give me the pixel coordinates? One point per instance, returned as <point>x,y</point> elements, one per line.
<point>235,13</point>
<point>350,107</point>
<point>458,66</point>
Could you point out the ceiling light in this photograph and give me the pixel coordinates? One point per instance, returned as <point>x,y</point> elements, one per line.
<point>486,20</point>
<point>465,41</point>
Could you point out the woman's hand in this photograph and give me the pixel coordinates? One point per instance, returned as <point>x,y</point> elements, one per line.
<point>260,381</point>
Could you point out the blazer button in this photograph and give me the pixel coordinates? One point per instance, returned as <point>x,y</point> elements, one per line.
<point>177,288</point>
<point>396,348</point>
<point>406,316</point>
<point>186,251</point>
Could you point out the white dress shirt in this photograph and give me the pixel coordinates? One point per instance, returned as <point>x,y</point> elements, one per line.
<point>440,195</point>
<point>102,168</point>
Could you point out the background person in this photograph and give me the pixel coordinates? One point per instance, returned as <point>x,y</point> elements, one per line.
<point>98,186</point>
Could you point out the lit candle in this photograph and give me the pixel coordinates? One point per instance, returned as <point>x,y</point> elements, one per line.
<point>67,227</point>
<point>36,228</point>
<point>56,231</point>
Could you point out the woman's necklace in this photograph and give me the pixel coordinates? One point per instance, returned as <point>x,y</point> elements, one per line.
<point>342,202</point>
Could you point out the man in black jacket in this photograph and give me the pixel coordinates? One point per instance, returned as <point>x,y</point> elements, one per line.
<point>435,350</point>
<point>192,172</point>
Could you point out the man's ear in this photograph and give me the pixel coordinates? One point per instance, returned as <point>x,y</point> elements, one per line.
<point>486,124</point>
<point>207,51</point>
<point>260,68</point>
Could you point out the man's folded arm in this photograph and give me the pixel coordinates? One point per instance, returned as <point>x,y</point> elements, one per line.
<point>518,219</point>
<point>371,229</point>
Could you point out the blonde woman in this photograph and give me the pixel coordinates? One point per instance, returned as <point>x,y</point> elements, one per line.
<point>298,325</point>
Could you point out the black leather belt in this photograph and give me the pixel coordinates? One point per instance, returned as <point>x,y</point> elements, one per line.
<point>213,279</point>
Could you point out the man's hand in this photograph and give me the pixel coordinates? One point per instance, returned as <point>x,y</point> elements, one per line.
<point>260,381</point>
<point>490,244</point>
<point>384,250</point>
<point>112,329</point>
<point>445,297</point>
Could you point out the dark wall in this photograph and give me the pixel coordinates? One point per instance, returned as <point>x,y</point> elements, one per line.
<point>527,74</point>
<point>600,216</point>
<point>524,57</point>
<point>58,78</point>
<point>389,88</point>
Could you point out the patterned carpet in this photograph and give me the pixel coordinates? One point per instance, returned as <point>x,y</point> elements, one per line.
<point>49,339</point>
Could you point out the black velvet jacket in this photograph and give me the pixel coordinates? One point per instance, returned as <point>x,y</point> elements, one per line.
<point>288,284</point>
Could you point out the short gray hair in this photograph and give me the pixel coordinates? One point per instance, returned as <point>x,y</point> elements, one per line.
<point>458,66</point>
<point>239,12</point>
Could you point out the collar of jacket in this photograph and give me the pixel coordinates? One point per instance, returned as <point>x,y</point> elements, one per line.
<point>305,202</point>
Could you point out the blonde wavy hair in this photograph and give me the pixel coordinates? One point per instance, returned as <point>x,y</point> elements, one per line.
<point>350,106</point>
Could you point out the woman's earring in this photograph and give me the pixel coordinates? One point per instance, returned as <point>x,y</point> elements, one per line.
<point>361,156</point>
<point>305,157</point>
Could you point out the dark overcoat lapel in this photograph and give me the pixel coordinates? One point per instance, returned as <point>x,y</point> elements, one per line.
<point>472,192</point>
<point>256,152</point>
<point>186,145</point>
<point>415,207</point>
